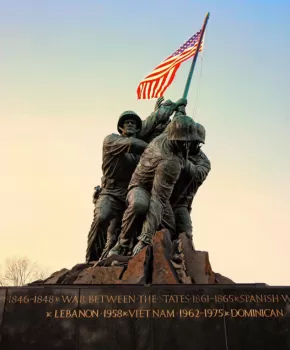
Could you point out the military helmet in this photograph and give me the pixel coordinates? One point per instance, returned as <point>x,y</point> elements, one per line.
<point>183,128</point>
<point>201,132</point>
<point>129,115</point>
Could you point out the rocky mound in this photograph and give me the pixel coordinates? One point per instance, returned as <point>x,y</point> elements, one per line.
<point>163,263</point>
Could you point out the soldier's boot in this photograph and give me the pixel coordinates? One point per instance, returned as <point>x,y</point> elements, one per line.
<point>118,249</point>
<point>112,239</point>
<point>109,245</point>
<point>138,247</point>
<point>105,253</point>
<point>144,239</point>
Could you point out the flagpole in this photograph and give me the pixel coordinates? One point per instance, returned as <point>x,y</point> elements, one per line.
<point>190,74</point>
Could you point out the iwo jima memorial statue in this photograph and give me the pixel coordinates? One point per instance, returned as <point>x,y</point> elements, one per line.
<point>144,285</point>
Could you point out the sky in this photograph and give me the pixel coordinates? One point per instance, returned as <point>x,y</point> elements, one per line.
<point>69,68</point>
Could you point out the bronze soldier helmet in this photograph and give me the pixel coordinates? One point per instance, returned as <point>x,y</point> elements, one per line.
<point>201,132</point>
<point>183,128</point>
<point>129,115</point>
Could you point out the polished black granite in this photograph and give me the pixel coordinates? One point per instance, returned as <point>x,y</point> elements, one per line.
<point>2,304</point>
<point>134,317</point>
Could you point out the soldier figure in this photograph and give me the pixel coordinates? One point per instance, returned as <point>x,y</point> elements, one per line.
<point>114,227</point>
<point>121,154</point>
<point>191,177</point>
<point>152,184</point>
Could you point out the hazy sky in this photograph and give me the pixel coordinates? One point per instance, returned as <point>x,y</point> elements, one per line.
<point>68,69</point>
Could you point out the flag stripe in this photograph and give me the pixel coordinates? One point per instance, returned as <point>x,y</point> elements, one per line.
<point>172,60</point>
<point>158,72</point>
<point>155,83</point>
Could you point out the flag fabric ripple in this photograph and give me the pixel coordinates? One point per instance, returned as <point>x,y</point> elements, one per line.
<point>155,84</point>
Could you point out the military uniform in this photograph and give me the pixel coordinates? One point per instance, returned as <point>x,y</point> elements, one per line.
<point>158,130</point>
<point>191,177</point>
<point>150,189</point>
<point>121,155</point>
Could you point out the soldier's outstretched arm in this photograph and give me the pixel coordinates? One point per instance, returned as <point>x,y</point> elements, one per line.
<point>160,115</point>
<point>198,167</point>
<point>115,144</point>
<point>137,145</point>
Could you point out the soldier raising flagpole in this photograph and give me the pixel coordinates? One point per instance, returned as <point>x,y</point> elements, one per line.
<point>145,197</point>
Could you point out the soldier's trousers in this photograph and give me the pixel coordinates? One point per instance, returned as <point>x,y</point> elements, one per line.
<point>138,200</point>
<point>107,208</point>
<point>182,220</point>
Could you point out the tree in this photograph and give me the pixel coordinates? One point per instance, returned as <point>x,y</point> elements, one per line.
<point>20,271</point>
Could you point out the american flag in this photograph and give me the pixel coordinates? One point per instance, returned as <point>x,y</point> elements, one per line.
<point>155,84</point>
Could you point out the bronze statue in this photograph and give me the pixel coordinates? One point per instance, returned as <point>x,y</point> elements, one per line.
<point>191,178</point>
<point>121,154</point>
<point>114,226</point>
<point>152,184</point>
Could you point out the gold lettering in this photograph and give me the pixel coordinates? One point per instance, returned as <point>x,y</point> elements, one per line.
<point>285,298</point>
<point>132,313</point>
<point>139,313</point>
<point>163,313</point>
<point>180,298</point>
<point>279,313</point>
<point>247,298</point>
<point>82,299</point>
<point>166,298</point>
<point>92,313</point>
<point>95,299</point>
<point>120,299</point>
<point>259,313</point>
<point>87,313</point>
<point>91,299</point>
<point>185,299</point>
<point>259,299</point>
<point>266,313</point>
<point>218,298</point>
<point>69,299</point>
<point>57,313</point>
<point>112,299</point>
<point>274,313</point>
<point>144,313</point>
<point>147,298</point>
<point>129,299</point>
<point>72,314</point>
<point>241,298</point>
<point>275,298</point>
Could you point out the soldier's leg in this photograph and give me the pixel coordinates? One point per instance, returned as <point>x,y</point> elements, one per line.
<point>183,220</point>
<point>168,221</point>
<point>138,201</point>
<point>165,177</point>
<point>105,209</point>
<point>113,233</point>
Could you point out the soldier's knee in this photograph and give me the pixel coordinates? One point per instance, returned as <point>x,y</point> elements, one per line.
<point>139,207</point>
<point>101,218</point>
